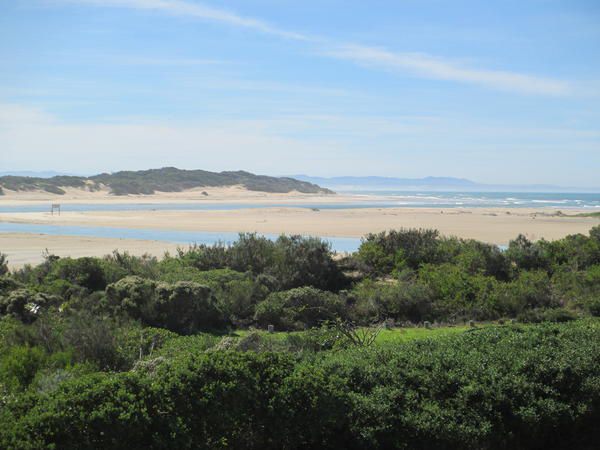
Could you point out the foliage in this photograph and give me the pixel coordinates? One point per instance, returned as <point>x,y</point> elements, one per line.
<point>26,305</point>
<point>290,261</point>
<point>357,336</point>
<point>136,351</point>
<point>184,307</point>
<point>496,388</point>
<point>387,251</point>
<point>298,308</point>
<point>371,301</point>
<point>3,264</point>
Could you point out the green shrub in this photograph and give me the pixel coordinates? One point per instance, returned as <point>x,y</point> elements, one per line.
<point>8,284</point>
<point>527,255</point>
<point>26,305</point>
<point>546,315</point>
<point>395,249</point>
<point>298,308</point>
<point>3,264</point>
<point>496,388</point>
<point>403,301</point>
<point>19,366</point>
<point>184,307</point>
<point>86,272</point>
<point>292,261</point>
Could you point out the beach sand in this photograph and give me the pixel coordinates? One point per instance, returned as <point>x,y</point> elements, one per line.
<point>23,248</point>
<point>493,225</point>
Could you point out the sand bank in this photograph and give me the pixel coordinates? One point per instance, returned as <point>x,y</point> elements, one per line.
<point>24,249</point>
<point>494,225</point>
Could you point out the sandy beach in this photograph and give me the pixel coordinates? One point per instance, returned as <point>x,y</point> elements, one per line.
<point>493,225</point>
<point>24,248</point>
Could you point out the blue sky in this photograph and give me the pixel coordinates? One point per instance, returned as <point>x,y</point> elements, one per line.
<point>497,92</point>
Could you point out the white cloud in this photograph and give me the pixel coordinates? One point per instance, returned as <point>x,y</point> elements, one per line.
<point>199,11</point>
<point>440,69</point>
<point>419,64</point>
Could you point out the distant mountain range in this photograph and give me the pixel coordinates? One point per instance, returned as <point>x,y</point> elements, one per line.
<point>375,183</point>
<point>167,179</point>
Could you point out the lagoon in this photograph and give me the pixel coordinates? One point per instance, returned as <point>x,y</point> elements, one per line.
<point>338,244</point>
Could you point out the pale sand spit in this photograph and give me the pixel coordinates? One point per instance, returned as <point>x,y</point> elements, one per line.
<point>494,225</point>
<point>22,248</point>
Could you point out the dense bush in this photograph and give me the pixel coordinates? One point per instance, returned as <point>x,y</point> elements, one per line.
<point>25,304</point>
<point>184,307</point>
<point>413,275</point>
<point>127,351</point>
<point>299,308</point>
<point>387,251</point>
<point>509,387</point>
<point>8,284</point>
<point>371,302</point>
<point>292,261</point>
<point>3,264</point>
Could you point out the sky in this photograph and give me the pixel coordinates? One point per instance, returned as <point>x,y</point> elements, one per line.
<point>493,91</point>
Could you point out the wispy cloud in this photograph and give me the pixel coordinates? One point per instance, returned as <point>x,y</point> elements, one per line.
<point>199,11</point>
<point>417,64</point>
<point>436,68</point>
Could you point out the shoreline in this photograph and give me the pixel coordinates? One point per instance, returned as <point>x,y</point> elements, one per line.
<point>240,195</point>
<point>493,225</point>
<point>354,216</point>
<point>29,248</point>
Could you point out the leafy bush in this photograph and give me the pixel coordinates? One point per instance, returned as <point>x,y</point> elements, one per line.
<point>292,261</point>
<point>86,272</point>
<point>527,255</point>
<point>8,284</point>
<point>496,388</point>
<point>298,308</point>
<point>184,307</point>
<point>387,251</point>
<point>372,301</point>
<point>3,264</point>
<point>26,305</point>
<point>546,315</point>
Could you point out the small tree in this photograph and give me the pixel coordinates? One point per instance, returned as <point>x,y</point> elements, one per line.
<point>358,336</point>
<point>3,264</point>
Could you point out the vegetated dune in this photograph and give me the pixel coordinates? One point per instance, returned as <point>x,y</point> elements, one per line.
<point>168,179</point>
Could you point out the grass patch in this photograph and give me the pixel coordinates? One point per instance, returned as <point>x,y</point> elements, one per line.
<point>592,214</point>
<point>386,336</point>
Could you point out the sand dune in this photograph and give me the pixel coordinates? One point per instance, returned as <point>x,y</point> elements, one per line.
<point>233,194</point>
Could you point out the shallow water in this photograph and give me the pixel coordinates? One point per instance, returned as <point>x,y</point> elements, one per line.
<point>338,244</point>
